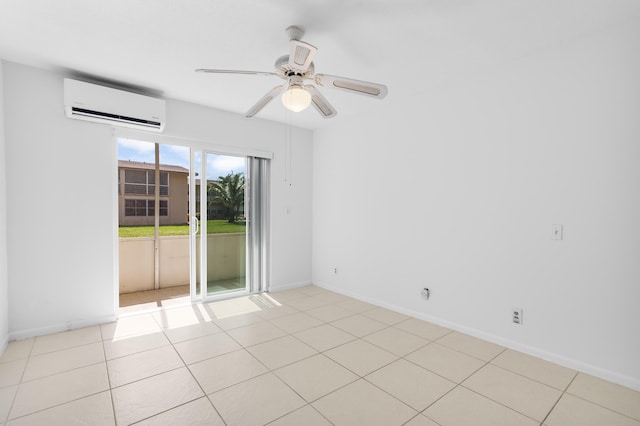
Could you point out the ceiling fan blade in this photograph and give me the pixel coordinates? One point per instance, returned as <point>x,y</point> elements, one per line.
<point>300,55</point>
<point>320,103</point>
<point>264,101</point>
<point>355,86</point>
<point>214,71</point>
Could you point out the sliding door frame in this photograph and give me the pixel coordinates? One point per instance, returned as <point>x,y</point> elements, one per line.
<point>263,273</point>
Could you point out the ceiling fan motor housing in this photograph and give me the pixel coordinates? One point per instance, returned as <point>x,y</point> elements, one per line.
<point>285,70</point>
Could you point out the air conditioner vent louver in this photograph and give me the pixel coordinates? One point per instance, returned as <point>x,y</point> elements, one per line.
<point>114,117</point>
<point>85,101</point>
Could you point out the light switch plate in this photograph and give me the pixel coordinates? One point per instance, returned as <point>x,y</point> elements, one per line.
<point>556,231</point>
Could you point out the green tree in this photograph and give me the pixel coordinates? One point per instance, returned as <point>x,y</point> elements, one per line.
<point>228,192</point>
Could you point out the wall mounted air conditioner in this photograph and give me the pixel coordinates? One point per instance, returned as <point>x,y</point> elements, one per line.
<point>85,101</point>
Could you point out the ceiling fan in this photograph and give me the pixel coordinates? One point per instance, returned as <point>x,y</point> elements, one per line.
<point>296,68</point>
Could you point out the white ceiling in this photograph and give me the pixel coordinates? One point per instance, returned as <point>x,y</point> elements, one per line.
<point>412,46</point>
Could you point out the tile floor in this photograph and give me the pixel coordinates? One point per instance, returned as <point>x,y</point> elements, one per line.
<point>299,357</point>
<point>171,297</point>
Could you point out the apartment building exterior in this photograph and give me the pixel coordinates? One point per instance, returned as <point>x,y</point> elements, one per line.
<point>136,193</point>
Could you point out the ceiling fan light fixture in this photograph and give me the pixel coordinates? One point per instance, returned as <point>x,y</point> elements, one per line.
<point>296,98</point>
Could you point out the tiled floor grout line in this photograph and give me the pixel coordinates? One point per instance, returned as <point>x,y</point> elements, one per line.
<point>106,366</point>
<point>595,403</point>
<point>461,384</point>
<point>184,365</point>
<point>272,371</point>
<point>15,395</point>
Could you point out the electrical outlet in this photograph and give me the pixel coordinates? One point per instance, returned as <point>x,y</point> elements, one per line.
<point>516,315</point>
<point>335,270</point>
<point>425,293</point>
<point>556,232</point>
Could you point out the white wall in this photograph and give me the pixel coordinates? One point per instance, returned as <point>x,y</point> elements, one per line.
<point>59,194</point>
<point>457,189</point>
<point>4,290</point>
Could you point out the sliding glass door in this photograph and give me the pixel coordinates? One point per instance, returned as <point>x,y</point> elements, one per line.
<point>191,221</point>
<point>220,195</point>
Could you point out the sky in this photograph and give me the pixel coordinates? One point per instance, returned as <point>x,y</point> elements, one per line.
<point>217,165</point>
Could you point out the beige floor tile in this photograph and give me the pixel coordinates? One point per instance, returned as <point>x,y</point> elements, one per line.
<point>256,401</point>
<point>18,349</point>
<point>423,329</point>
<point>234,321</point>
<point>58,389</point>
<point>256,333</point>
<point>187,332</point>
<point>331,297</point>
<point>386,316</point>
<point>361,403</point>
<point>202,348</point>
<point>63,360</point>
<point>306,416</point>
<point>534,368</point>
<point>226,370</point>
<point>195,413</point>
<point>65,340</point>
<point>329,313</point>
<point>141,365</point>
<point>312,290</point>
<point>462,407</point>
<point>421,420</point>
<point>6,399</point>
<point>277,312</point>
<point>324,337</point>
<point>91,410</point>
<point>315,377</point>
<point>413,385</point>
<point>282,351</point>
<point>129,345</point>
<point>230,308</point>
<point>470,345</point>
<point>139,400</point>
<point>531,398</point>
<point>129,326</point>
<point>359,325</point>
<point>361,357</point>
<point>263,301</point>
<point>306,303</point>
<point>615,397</point>
<point>296,322</point>
<point>573,411</point>
<point>11,372</point>
<point>179,317</point>
<point>286,295</point>
<point>355,306</point>
<point>396,341</point>
<point>446,362</point>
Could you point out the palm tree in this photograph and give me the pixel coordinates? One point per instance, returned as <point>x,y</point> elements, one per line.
<point>228,192</point>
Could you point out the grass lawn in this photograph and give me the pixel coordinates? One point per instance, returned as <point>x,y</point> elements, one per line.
<point>213,227</point>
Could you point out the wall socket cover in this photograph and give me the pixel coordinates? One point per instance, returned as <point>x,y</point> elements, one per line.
<point>556,231</point>
<point>425,293</point>
<point>516,315</point>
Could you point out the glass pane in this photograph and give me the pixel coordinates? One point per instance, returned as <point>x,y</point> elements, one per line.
<point>135,176</point>
<point>138,275</point>
<point>226,225</point>
<point>164,178</point>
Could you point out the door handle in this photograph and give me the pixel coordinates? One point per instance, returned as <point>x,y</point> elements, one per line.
<point>197,225</point>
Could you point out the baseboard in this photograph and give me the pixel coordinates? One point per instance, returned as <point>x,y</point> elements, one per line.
<point>56,328</point>
<point>289,286</point>
<point>574,364</point>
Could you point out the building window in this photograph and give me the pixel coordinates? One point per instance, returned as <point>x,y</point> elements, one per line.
<point>145,207</point>
<point>142,182</point>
